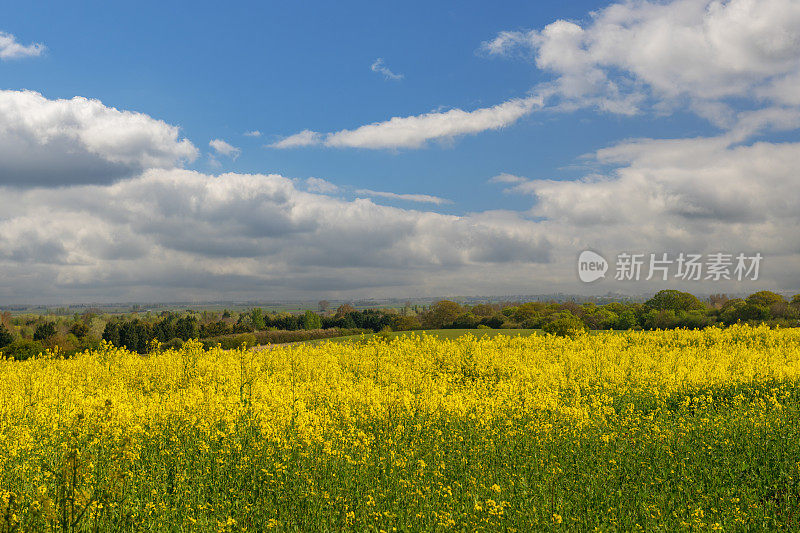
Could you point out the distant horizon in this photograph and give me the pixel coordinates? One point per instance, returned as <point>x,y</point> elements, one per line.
<point>558,297</point>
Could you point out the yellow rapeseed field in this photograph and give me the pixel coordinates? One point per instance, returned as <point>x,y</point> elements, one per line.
<point>651,431</point>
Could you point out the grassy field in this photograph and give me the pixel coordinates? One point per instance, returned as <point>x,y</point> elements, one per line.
<point>650,431</point>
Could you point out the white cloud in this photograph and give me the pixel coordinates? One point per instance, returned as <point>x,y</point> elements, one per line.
<point>252,133</point>
<point>507,41</point>
<point>507,178</point>
<point>321,186</point>
<point>421,198</point>
<point>177,234</point>
<point>171,234</point>
<point>685,194</point>
<point>703,51</point>
<point>11,49</point>
<point>415,131</point>
<point>380,67</point>
<point>304,138</point>
<point>61,142</point>
<point>223,148</point>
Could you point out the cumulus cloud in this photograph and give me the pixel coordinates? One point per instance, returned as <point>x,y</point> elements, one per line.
<point>304,138</point>
<point>380,67</point>
<point>416,131</point>
<point>701,55</point>
<point>11,49</point>
<point>64,142</point>
<point>693,195</point>
<point>223,148</point>
<point>421,198</point>
<point>174,233</point>
<point>252,133</point>
<point>703,52</point>
<point>321,186</point>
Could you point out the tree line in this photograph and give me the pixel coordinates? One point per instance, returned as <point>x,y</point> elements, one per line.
<point>26,335</point>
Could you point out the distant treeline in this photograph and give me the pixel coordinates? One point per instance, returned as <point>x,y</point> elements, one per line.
<point>24,335</point>
<point>137,334</point>
<point>668,309</point>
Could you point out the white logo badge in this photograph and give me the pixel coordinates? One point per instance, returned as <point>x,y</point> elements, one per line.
<point>591,266</point>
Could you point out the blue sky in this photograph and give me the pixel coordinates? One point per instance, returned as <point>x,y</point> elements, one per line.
<point>281,68</point>
<point>586,83</point>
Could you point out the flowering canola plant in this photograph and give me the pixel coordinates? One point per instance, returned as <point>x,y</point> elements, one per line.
<point>665,430</point>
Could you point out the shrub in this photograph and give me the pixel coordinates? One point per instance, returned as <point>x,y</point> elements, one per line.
<point>286,336</point>
<point>23,349</point>
<point>494,322</point>
<point>248,340</point>
<point>173,344</point>
<point>565,325</point>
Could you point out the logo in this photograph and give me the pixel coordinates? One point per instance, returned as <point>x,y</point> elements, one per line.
<point>591,266</point>
<point>684,266</point>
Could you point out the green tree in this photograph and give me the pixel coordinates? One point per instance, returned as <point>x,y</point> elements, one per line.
<point>111,333</point>
<point>257,319</point>
<point>44,331</point>
<point>129,336</point>
<point>466,321</point>
<point>23,349</point>
<point>529,312</point>
<point>79,329</point>
<point>344,310</point>
<point>348,321</point>
<point>765,299</point>
<point>731,311</point>
<point>312,320</point>
<point>736,310</point>
<point>483,310</point>
<point>405,323</point>
<point>600,318</point>
<point>626,320</point>
<point>441,314</point>
<point>672,300</point>
<point>660,319</point>
<point>186,328</point>
<point>6,337</point>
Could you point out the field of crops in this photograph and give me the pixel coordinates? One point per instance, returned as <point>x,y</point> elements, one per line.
<point>652,431</point>
<point>441,334</point>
